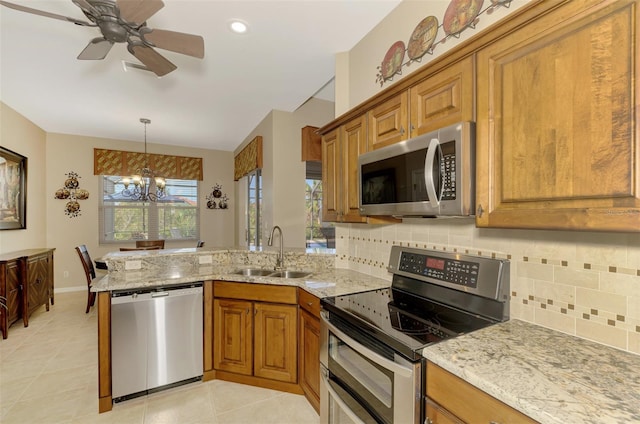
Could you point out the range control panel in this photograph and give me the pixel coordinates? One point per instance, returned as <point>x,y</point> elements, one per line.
<point>453,271</point>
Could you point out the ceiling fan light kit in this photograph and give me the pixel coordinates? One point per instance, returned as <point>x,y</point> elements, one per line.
<point>124,21</point>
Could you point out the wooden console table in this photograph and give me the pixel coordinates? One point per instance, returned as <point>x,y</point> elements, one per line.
<point>26,283</point>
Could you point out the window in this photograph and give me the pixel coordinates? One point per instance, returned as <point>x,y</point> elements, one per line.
<point>317,233</point>
<point>254,209</point>
<point>174,217</point>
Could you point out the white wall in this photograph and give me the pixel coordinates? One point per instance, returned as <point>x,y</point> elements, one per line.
<point>65,153</point>
<point>283,172</point>
<point>368,54</point>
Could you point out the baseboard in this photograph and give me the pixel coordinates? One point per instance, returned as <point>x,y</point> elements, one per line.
<point>69,289</point>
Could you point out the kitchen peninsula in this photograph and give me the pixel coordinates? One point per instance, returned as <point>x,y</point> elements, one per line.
<point>221,272</point>
<point>546,375</point>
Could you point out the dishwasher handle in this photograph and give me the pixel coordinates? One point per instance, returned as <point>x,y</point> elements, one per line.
<point>159,294</point>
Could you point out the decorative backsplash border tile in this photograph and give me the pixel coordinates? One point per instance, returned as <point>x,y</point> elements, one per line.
<point>550,285</point>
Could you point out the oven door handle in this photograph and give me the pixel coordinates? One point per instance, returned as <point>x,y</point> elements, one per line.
<point>368,353</point>
<point>343,406</point>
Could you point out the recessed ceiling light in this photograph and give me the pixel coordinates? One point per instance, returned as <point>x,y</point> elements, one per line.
<point>238,26</point>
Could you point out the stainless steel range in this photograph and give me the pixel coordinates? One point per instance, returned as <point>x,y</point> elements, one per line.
<point>371,342</point>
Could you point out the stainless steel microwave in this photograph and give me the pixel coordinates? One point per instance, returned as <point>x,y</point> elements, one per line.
<point>428,176</point>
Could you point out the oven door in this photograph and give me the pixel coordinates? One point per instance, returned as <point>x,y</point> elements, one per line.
<point>362,382</point>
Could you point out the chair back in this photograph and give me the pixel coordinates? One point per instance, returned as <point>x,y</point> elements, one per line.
<point>150,243</point>
<point>87,263</point>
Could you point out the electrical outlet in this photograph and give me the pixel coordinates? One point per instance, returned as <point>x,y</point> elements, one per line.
<point>66,274</point>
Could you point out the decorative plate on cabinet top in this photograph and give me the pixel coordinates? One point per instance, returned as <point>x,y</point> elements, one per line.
<point>392,62</point>
<point>460,14</point>
<point>422,37</point>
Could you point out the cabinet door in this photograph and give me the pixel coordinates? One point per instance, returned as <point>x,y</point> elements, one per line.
<point>38,282</point>
<point>354,143</point>
<point>389,122</point>
<point>438,415</point>
<point>275,335</point>
<point>309,357</point>
<point>444,98</point>
<point>233,342</point>
<point>557,132</point>
<point>330,177</point>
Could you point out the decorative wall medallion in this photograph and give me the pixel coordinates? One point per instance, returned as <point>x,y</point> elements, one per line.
<point>72,192</point>
<point>217,199</point>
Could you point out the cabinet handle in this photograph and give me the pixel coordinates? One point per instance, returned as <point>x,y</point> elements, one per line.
<point>479,211</point>
<point>401,130</point>
<point>247,311</point>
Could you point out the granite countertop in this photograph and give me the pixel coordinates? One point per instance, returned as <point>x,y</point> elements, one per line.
<point>322,283</point>
<point>550,376</point>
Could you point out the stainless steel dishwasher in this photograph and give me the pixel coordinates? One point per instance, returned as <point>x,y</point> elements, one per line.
<point>156,339</point>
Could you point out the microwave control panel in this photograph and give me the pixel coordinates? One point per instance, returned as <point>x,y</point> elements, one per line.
<point>462,273</point>
<point>448,171</point>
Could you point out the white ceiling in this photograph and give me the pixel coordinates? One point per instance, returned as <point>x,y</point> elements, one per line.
<point>286,57</point>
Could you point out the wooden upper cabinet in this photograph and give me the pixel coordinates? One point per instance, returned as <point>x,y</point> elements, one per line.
<point>340,150</point>
<point>331,202</point>
<point>354,139</point>
<point>389,122</point>
<point>557,131</point>
<point>444,98</point>
<point>437,101</point>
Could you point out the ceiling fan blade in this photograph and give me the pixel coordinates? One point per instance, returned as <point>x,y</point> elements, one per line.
<point>86,7</point>
<point>179,42</point>
<point>138,11</point>
<point>153,60</point>
<point>97,49</point>
<point>43,13</point>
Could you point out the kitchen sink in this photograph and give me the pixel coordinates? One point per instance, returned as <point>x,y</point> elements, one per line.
<point>290,274</point>
<point>260,272</point>
<point>253,272</point>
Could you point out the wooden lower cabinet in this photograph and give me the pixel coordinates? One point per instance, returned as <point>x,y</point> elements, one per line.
<point>39,277</point>
<point>232,336</point>
<point>309,347</point>
<point>275,342</point>
<point>255,335</point>
<point>26,283</point>
<point>452,400</point>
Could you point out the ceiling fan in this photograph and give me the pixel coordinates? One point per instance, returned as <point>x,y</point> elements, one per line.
<point>123,21</point>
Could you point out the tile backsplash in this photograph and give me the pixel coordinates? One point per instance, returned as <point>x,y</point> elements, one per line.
<point>582,283</point>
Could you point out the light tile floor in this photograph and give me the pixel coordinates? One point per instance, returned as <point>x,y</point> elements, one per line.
<point>49,374</point>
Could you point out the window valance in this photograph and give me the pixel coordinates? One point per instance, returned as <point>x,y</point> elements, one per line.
<point>118,162</point>
<point>249,158</point>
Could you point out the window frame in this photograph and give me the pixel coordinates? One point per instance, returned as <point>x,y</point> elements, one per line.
<point>153,213</point>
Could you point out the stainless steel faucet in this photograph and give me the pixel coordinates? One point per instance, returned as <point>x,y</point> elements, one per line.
<point>280,259</point>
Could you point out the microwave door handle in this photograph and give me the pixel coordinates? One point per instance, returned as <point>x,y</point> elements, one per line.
<point>434,147</point>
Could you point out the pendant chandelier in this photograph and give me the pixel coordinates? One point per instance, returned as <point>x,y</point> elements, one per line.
<point>146,186</point>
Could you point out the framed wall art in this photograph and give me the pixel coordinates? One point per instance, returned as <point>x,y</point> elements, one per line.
<point>13,190</point>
